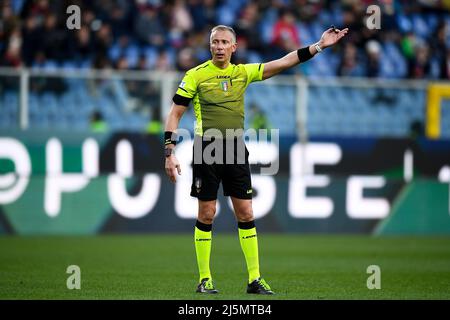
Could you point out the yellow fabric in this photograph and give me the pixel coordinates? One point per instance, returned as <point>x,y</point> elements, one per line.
<point>249,244</point>
<point>203,250</point>
<point>218,94</point>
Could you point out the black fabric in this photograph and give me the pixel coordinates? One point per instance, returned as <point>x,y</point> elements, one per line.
<point>203,226</point>
<point>235,176</point>
<point>304,54</point>
<point>170,138</point>
<point>246,225</point>
<point>180,100</point>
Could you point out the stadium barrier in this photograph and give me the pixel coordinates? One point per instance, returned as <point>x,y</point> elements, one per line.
<point>84,183</point>
<point>67,99</point>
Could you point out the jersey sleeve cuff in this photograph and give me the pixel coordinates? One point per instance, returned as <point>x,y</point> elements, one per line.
<point>260,71</point>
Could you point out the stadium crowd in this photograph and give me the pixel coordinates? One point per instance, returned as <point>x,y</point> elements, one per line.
<point>173,35</point>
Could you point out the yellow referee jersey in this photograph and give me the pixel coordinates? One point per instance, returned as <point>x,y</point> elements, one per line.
<point>218,94</point>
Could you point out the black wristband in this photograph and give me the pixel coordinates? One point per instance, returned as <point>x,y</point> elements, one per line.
<point>170,138</point>
<point>304,54</point>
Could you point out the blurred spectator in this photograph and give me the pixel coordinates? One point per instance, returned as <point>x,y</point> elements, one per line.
<point>186,59</point>
<point>54,43</point>
<point>407,44</point>
<point>419,67</point>
<point>31,40</point>
<point>180,23</point>
<point>373,51</point>
<point>103,40</point>
<point>445,71</point>
<point>353,19</point>
<point>285,36</point>
<point>203,13</point>
<point>149,29</point>
<point>349,65</point>
<point>34,34</point>
<point>258,119</point>
<point>88,18</point>
<point>155,125</point>
<point>307,10</point>
<point>199,43</point>
<point>8,22</point>
<point>163,61</point>
<point>97,123</point>
<point>122,63</point>
<point>142,63</point>
<point>181,18</point>
<point>240,56</point>
<point>247,27</point>
<point>439,49</point>
<point>39,9</point>
<point>416,129</point>
<point>83,46</point>
<point>119,20</point>
<point>12,56</point>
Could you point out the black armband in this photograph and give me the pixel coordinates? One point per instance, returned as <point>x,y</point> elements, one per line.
<point>180,100</point>
<point>170,138</point>
<point>304,54</point>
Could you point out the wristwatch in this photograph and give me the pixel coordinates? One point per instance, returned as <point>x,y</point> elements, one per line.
<point>318,48</point>
<point>168,152</point>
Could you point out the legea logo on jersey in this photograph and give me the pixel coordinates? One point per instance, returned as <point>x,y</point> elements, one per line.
<point>224,85</point>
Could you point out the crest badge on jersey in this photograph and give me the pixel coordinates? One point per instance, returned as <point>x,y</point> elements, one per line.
<point>224,85</point>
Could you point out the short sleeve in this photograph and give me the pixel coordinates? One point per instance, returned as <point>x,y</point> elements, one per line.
<point>254,72</point>
<point>187,87</point>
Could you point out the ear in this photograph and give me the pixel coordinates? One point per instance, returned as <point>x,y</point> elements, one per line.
<point>234,47</point>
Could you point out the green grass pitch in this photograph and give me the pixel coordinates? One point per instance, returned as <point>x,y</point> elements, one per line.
<point>163,266</point>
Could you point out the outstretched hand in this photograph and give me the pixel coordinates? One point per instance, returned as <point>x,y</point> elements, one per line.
<point>332,36</point>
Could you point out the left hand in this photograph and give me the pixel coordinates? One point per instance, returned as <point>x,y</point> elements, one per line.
<point>330,37</point>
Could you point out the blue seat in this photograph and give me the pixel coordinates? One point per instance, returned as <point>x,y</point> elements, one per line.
<point>404,23</point>
<point>266,31</point>
<point>114,51</point>
<point>69,65</point>
<point>132,55</point>
<point>305,33</point>
<point>420,25</point>
<point>226,15</point>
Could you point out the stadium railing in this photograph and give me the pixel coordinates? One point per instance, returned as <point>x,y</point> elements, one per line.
<point>69,99</point>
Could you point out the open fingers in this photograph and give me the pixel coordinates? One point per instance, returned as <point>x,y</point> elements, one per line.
<point>336,30</point>
<point>342,33</point>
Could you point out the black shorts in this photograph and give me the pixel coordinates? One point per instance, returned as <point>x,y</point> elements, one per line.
<point>233,171</point>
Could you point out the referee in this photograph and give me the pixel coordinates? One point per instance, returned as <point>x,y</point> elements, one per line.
<point>217,89</point>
